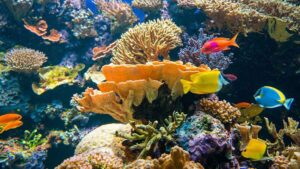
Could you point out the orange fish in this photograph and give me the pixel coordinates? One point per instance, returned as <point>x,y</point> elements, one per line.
<point>242,105</point>
<point>218,44</point>
<point>9,118</point>
<point>11,125</point>
<point>10,121</point>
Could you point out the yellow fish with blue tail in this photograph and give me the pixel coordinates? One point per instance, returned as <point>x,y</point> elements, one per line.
<point>255,149</point>
<point>204,82</point>
<point>270,97</point>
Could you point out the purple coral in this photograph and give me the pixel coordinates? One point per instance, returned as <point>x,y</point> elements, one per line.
<point>191,53</point>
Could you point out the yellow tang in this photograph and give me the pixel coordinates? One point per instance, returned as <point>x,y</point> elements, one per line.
<point>204,82</point>
<point>255,149</point>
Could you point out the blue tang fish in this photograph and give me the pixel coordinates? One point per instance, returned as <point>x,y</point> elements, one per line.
<point>270,97</point>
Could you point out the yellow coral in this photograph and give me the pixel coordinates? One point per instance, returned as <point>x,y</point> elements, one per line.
<point>147,42</point>
<point>147,5</point>
<point>53,76</point>
<point>25,60</point>
<point>222,110</point>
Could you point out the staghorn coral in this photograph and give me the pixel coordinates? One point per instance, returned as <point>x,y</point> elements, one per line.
<point>25,60</point>
<point>191,53</point>
<point>177,159</point>
<point>252,15</point>
<point>119,94</point>
<point>53,76</point>
<point>147,42</point>
<point>222,110</point>
<point>119,12</point>
<point>291,130</point>
<point>147,138</point>
<point>98,158</point>
<point>147,5</point>
<point>278,144</point>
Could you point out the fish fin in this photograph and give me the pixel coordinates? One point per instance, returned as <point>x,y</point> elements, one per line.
<point>186,85</point>
<point>233,39</point>
<point>288,102</point>
<point>219,39</point>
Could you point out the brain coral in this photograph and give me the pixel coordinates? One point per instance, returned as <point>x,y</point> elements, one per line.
<point>147,42</point>
<point>104,136</point>
<point>98,158</point>
<point>25,60</point>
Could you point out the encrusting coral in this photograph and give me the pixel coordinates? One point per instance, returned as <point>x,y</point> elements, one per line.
<point>120,92</point>
<point>147,42</point>
<point>177,159</point>
<point>53,76</point>
<point>222,110</point>
<point>147,138</point>
<point>252,15</point>
<point>25,60</point>
<point>147,5</point>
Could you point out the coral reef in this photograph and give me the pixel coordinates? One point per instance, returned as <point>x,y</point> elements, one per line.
<point>73,116</point>
<point>147,42</point>
<point>98,158</point>
<point>177,159</point>
<point>25,60</point>
<point>252,15</point>
<point>18,8</point>
<point>191,53</point>
<point>42,112</point>
<point>119,12</point>
<point>147,5</point>
<point>222,110</point>
<point>147,138</point>
<point>53,76</point>
<point>133,86</point>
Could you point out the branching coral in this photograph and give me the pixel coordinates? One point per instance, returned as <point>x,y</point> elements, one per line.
<point>119,12</point>
<point>292,131</point>
<point>222,110</point>
<point>147,42</point>
<point>147,5</point>
<point>247,133</point>
<point>98,158</point>
<point>177,159</point>
<point>278,144</point>
<point>120,93</point>
<point>145,138</point>
<point>191,53</point>
<point>53,76</point>
<point>25,60</point>
<point>103,51</point>
<point>252,15</point>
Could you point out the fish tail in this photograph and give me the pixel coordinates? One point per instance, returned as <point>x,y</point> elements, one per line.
<point>233,39</point>
<point>288,102</point>
<point>186,85</point>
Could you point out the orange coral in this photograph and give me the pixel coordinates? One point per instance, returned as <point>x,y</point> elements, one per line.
<point>128,85</point>
<point>101,52</point>
<point>41,29</point>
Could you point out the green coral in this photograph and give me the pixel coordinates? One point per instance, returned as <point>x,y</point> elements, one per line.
<point>53,76</point>
<point>146,137</point>
<point>32,139</point>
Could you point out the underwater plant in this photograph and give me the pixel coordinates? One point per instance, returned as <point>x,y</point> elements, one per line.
<point>145,138</point>
<point>32,139</point>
